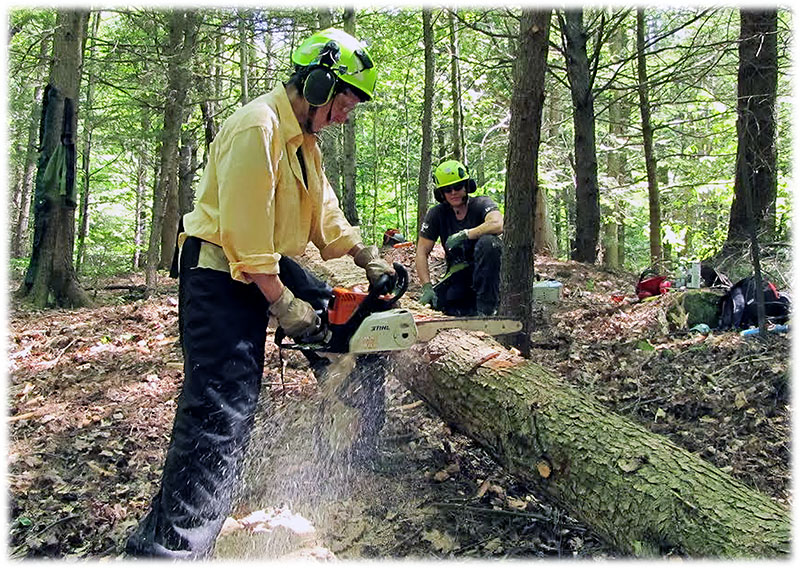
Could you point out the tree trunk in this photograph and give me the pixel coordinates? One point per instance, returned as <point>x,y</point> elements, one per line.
<point>637,489</point>
<point>86,154</point>
<point>51,270</point>
<point>349,158</point>
<point>587,196</point>
<point>455,92</point>
<point>20,238</point>
<point>656,253</point>
<point>617,164</point>
<point>141,158</point>
<point>244,59</point>
<point>527,101</point>
<point>187,166</point>
<point>164,222</point>
<point>331,136</point>
<point>425,160</point>
<point>755,126</point>
<point>543,227</point>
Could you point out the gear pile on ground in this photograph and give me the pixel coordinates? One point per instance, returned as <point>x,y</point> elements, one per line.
<point>91,397</point>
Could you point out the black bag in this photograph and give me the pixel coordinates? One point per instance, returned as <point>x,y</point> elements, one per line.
<point>740,311</point>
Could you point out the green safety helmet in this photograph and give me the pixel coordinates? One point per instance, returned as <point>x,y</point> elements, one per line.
<point>330,57</point>
<point>451,172</point>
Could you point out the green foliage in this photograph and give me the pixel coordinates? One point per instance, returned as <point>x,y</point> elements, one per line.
<point>692,65</point>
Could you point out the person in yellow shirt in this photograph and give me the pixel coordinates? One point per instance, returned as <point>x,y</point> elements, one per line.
<point>262,198</point>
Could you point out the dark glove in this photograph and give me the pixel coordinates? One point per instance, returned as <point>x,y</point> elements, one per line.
<point>370,260</point>
<point>297,318</point>
<point>456,239</point>
<point>428,296</point>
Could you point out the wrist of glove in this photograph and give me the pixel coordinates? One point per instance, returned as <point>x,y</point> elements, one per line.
<point>370,260</point>
<point>457,238</point>
<point>295,316</point>
<point>428,296</point>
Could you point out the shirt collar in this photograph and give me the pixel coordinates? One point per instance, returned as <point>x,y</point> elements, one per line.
<point>289,126</point>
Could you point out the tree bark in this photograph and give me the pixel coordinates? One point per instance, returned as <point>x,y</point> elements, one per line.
<point>86,155</point>
<point>455,92</point>
<point>425,161</point>
<point>164,223</point>
<point>527,102</point>
<point>587,196</point>
<point>142,158</point>
<point>755,126</point>
<point>656,253</point>
<point>331,136</point>
<point>244,59</point>
<point>637,489</point>
<point>20,238</point>
<point>51,272</point>
<point>349,153</point>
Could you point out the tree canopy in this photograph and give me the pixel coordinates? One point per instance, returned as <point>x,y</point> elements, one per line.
<point>691,57</point>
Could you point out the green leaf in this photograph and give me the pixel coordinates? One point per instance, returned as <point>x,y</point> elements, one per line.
<point>24,521</point>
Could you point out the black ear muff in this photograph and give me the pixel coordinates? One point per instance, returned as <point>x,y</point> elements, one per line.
<point>319,86</point>
<point>437,193</point>
<point>320,81</point>
<point>471,185</point>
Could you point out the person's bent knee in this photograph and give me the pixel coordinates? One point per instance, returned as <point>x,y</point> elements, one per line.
<point>488,245</point>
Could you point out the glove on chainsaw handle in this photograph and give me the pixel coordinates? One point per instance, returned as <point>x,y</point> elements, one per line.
<point>370,260</point>
<point>296,317</point>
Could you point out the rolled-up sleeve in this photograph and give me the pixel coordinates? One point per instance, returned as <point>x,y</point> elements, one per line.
<point>247,172</point>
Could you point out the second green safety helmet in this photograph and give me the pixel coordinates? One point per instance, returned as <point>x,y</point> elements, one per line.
<point>330,57</point>
<point>451,172</point>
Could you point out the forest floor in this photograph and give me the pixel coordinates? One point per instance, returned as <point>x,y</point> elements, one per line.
<point>91,398</point>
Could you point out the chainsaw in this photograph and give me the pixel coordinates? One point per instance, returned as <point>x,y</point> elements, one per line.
<point>368,322</point>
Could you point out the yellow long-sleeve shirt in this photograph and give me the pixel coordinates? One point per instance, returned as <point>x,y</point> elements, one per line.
<point>252,200</point>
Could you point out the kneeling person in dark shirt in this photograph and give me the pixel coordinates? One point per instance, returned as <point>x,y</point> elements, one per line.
<point>469,229</point>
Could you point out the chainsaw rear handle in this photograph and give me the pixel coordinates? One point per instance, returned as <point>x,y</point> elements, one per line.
<point>387,284</point>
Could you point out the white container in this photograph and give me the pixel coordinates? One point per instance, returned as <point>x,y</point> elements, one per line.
<point>547,291</point>
<point>694,275</point>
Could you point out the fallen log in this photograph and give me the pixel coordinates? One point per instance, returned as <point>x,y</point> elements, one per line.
<point>639,490</point>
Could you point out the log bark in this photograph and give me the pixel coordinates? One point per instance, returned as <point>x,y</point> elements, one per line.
<point>642,492</point>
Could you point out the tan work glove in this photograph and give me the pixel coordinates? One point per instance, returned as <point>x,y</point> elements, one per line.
<point>370,260</point>
<point>295,316</point>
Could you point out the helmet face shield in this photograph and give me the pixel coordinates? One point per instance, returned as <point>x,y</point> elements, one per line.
<point>343,58</point>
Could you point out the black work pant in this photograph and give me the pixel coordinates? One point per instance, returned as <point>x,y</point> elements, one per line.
<point>476,288</point>
<point>223,326</point>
